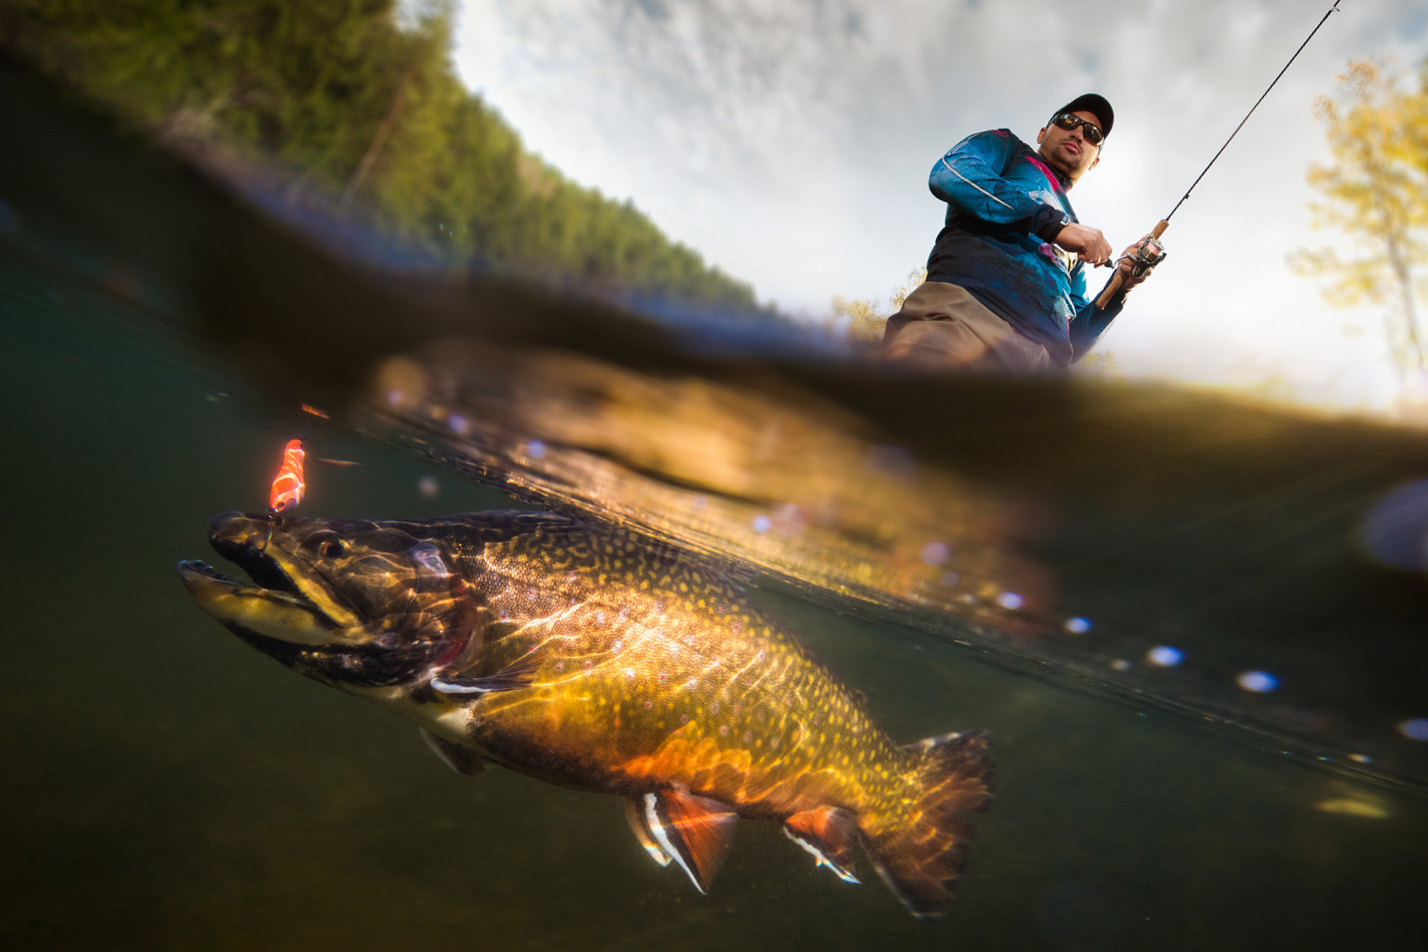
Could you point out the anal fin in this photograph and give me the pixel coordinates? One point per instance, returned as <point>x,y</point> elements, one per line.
<point>465,762</point>
<point>635,815</point>
<point>827,833</point>
<point>694,831</point>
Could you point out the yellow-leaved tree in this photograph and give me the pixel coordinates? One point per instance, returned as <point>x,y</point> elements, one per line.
<point>867,319</point>
<point>1376,192</point>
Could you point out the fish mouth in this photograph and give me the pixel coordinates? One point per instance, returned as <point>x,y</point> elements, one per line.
<point>288,601</point>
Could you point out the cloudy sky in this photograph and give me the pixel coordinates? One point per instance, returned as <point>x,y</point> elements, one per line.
<point>789,141</point>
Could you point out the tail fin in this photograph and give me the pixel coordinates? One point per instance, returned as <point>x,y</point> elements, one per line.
<point>921,857</point>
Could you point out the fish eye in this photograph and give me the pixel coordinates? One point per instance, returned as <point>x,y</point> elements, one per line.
<point>326,543</point>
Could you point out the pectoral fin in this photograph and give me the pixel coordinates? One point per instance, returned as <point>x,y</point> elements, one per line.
<point>827,833</point>
<point>694,831</point>
<point>510,678</point>
<point>468,763</point>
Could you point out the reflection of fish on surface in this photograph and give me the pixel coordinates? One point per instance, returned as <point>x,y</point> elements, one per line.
<point>592,660</point>
<point>1366,807</point>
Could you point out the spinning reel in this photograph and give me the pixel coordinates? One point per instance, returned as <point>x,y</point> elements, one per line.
<point>1148,254</point>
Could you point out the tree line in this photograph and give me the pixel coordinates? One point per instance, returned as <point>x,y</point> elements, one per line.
<point>358,105</point>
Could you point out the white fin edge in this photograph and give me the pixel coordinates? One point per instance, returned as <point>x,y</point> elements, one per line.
<point>448,687</point>
<point>822,860</point>
<point>637,826</point>
<point>658,832</point>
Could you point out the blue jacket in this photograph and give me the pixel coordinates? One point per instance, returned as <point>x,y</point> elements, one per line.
<point>1004,206</point>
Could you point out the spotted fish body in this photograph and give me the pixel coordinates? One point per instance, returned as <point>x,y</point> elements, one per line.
<point>592,659</point>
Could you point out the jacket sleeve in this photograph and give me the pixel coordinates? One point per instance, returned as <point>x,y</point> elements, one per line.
<point>1090,321</point>
<point>969,178</point>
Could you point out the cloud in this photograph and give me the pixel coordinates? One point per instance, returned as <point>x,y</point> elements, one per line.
<point>789,141</point>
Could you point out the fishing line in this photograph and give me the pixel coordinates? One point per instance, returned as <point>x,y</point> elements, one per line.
<point>1150,252</point>
<point>1332,10</point>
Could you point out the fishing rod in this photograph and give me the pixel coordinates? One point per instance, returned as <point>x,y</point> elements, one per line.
<point>1150,251</point>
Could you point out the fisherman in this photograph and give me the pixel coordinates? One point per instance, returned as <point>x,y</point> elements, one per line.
<point>1006,280</point>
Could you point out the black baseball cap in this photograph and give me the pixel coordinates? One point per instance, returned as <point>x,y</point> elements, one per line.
<point>1096,105</point>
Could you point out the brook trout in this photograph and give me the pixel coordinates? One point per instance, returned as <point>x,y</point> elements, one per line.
<point>592,659</point>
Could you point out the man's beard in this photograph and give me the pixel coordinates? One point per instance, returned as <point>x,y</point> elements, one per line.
<point>1069,166</point>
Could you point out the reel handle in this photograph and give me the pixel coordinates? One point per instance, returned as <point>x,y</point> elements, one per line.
<point>1116,279</point>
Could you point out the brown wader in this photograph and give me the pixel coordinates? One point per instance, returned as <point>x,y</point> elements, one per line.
<point>941,326</point>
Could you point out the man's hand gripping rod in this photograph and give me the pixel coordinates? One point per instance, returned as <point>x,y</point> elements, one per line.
<point>1147,255</point>
<point>1151,252</point>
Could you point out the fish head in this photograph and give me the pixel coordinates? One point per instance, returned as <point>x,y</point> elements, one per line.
<point>355,604</point>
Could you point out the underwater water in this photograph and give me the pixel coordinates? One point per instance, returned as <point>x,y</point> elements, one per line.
<point>169,787</point>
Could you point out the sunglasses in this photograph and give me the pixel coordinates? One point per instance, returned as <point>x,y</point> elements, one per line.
<point>1064,120</point>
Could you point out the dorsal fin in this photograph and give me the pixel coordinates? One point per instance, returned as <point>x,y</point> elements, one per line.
<point>695,831</point>
<point>827,833</point>
<point>635,815</point>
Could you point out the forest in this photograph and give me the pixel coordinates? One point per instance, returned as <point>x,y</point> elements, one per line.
<point>357,106</point>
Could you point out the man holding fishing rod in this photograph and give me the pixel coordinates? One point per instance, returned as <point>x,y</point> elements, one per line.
<point>1006,280</point>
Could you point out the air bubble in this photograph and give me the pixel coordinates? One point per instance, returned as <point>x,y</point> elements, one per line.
<point>1415,728</point>
<point>1260,682</point>
<point>1165,656</point>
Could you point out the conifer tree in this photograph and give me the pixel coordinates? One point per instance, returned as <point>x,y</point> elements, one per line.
<point>358,104</point>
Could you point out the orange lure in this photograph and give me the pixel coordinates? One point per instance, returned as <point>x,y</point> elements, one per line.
<point>288,485</point>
